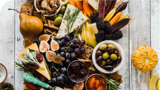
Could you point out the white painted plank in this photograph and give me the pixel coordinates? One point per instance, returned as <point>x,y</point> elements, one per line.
<point>7,39</point>
<point>18,45</point>
<point>139,35</point>
<point>124,71</point>
<point>155,23</point>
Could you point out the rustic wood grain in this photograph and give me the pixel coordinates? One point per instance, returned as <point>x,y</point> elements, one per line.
<point>155,27</point>
<point>7,39</point>
<point>18,45</point>
<point>124,71</point>
<point>139,35</point>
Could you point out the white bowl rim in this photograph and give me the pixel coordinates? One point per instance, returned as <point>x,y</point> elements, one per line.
<point>120,50</point>
<point>6,73</point>
<point>35,5</point>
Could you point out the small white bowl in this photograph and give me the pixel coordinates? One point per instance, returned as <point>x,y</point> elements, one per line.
<point>35,5</point>
<point>121,53</point>
<point>3,73</point>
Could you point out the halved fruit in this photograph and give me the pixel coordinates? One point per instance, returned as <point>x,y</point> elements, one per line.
<point>27,42</point>
<point>78,86</point>
<point>44,37</point>
<point>154,82</point>
<point>50,55</point>
<point>44,46</point>
<point>54,45</point>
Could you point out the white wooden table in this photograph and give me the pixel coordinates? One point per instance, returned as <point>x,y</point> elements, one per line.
<point>144,30</point>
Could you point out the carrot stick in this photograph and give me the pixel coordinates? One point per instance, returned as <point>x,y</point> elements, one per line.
<point>79,4</point>
<point>72,2</point>
<point>115,18</point>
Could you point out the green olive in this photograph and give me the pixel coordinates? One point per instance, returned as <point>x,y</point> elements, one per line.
<point>103,63</point>
<point>103,47</point>
<point>57,21</point>
<point>60,15</point>
<point>105,55</point>
<point>53,17</point>
<point>113,57</point>
<point>62,10</point>
<point>111,46</point>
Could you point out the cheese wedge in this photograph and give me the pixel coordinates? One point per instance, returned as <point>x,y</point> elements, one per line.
<point>41,70</point>
<point>94,4</point>
<point>78,22</point>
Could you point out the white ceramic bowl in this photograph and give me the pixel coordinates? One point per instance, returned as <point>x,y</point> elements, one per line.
<point>3,73</point>
<point>35,5</point>
<point>121,53</point>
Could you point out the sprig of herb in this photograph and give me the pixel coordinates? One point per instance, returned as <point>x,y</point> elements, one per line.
<point>112,84</point>
<point>71,18</point>
<point>30,57</point>
<point>23,67</point>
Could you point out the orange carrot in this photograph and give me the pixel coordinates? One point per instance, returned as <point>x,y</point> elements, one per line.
<point>72,2</point>
<point>87,8</point>
<point>115,18</point>
<point>130,20</point>
<point>79,4</point>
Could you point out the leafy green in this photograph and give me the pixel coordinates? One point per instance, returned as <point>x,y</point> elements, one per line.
<point>112,84</point>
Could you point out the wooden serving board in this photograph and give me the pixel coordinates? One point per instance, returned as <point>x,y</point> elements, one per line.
<point>144,30</point>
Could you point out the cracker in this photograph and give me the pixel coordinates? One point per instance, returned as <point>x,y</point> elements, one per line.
<point>88,52</point>
<point>40,15</point>
<point>51,25</point>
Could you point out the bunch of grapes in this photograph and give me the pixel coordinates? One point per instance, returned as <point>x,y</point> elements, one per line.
<point>70,50</point>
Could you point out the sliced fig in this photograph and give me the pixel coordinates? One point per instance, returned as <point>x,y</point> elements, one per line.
<point>44,37</point>
<point>57,59</point>
<point>54,45</point>
<point>78,86</point>
<point>50,55</point>
<point>44,46</point>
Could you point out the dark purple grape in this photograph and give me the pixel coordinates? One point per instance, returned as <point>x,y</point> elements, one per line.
<point>62,75</point>
<point>58,54</point>
<point>73,56</point>
<point>62,49</point>
<point>99,53</point>
<point>99,59</point>
<point>54,80</point>
<point>66,79</point>
<point>73,76</point>
<point>116,52</point>
<point>108,67</point>
<point>83,50</point>
<point>64,70</point>
<point>83,72</point>
<point>60,65</point>
<point>83,66</point>
<point>82,42</point>
<point>62,54</point>
<point>60,80</point>
<point>76,41</point>
<point>67,62</point>
<point>70,49</point>
<point>110,50</point>
<point>66,38</point>
<point>68,55</point>
<point>55,74</point>
<point>109,61</point>
<point>63,61</point>
<point>49,82</point>
<point>63,42</point>
<point>67,44</point>
<point>77,51</point>
<point>73,46</point>
<point>60,43</point>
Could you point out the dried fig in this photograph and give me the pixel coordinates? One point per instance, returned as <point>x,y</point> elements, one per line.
<point>44,37</point>
<point>57,59</point>
<point>44,46</point>
<point>54,45</point>
<point>50,55</point>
